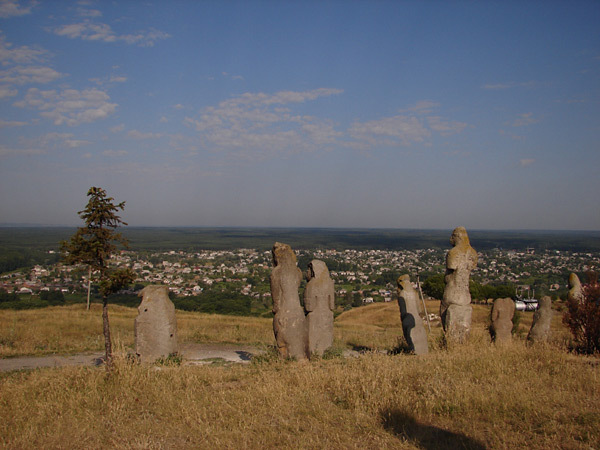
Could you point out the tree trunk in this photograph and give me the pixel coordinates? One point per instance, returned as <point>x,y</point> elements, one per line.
<point>106,328</point>
<point>89,287</point>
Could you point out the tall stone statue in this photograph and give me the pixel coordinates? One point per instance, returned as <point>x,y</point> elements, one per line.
<point>542,318</point>
<point>319,303</point>
<point>155,327</point>
<point>455,309</point>
<point>575,291</point>
<point>503,311</point>
<point>289,323</point>
<point>412,324</point>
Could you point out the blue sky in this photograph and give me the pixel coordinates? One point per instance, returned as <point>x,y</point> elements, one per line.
<point>299,113</point>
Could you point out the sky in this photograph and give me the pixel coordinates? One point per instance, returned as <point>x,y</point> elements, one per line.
<point>375,114</point>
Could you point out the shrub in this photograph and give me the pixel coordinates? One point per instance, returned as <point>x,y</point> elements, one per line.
<point>583,318</point>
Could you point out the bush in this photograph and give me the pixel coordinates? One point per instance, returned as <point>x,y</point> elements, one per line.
<point>217,302</point>
<point>53,297</point>
<point>583,318</point>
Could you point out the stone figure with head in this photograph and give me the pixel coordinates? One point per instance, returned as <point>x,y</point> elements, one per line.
<point>575,289</point>
<point>455,309</point>
<point>289,323</point>
<point>319,303</point>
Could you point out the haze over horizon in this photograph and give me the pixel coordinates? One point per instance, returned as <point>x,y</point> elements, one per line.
<point>388,114</point>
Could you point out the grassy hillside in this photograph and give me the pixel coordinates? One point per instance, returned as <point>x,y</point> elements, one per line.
<point>72,329</point>
<point>471,396</point>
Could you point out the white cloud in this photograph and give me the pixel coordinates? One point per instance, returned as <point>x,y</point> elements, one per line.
<point>321,133</point>
<point>444,127</point>
<point>111,79</point>
<point>85,12</point>
<point>114,152</point>
<point>117,128</point>
<point>178,106</point>
<point>232,77</point>
<point>7,92</point>
<point>29,74</point>
<point>390,131</point>
<point>11,123</point>
<point>70,107</point>
<point>526,162</point>
<point>261,123</point>
<point>163,119</point>
<point>102,32</point>
<point>76,143</point>
<point>423,107</point>
<point>9,151</point>
<point>524,120</point>
<point>54,141</point>
<point>11,8</point>
<point>135,134</point>
<point>509,85</point>
<point>20,55</point>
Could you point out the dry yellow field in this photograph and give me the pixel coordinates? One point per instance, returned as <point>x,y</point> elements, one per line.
<point>467,396</point>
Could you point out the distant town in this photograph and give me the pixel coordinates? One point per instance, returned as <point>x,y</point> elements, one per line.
<point>362,276</point>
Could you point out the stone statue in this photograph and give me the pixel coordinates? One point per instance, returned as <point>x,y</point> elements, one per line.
<point>319,302</point>
<point>412,324</point>
<point>503,311</point>
<point>155,327</point>
<point>289,323</point>
<point>542,318</point>
<point>575,291</point>
<point>455,309</point>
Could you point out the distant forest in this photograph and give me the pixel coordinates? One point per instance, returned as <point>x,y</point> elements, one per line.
<point>26,246</point>
<point>182,238</point>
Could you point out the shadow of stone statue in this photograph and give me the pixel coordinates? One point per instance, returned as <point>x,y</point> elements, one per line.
<point>319,303</point>
<point>404,425</point>
<point>289,323</point>
<point>455,308</point>
<point>412,324</point>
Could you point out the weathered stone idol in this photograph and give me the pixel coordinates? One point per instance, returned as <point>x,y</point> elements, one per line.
<point>155,326</point>
<point>575,291</point>
<point>319,303</point>
<point>289,323</point>
<point>503,311</point>
<point>412,324</point>
<point>455,309</point>
<point>542,318</point>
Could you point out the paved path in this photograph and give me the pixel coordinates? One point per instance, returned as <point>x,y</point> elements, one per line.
<point>193,354</point>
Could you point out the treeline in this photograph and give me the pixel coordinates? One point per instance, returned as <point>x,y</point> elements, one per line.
<point>160,239</point>
<point>43,300</point>
<point>211,302</point>
<point>434,287</point>
<point>11,260</point>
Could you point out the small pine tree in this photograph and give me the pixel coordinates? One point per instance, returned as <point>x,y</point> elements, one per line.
<point>93,245</point>
<point>583,317</point>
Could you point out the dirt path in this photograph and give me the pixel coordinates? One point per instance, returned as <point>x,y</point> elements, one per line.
<point>193,354</point>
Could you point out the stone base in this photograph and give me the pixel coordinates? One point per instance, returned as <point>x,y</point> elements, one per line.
<point>457,322</point>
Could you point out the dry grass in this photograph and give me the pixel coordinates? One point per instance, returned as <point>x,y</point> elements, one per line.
<point>472,396</point>
<point>72,329</point>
